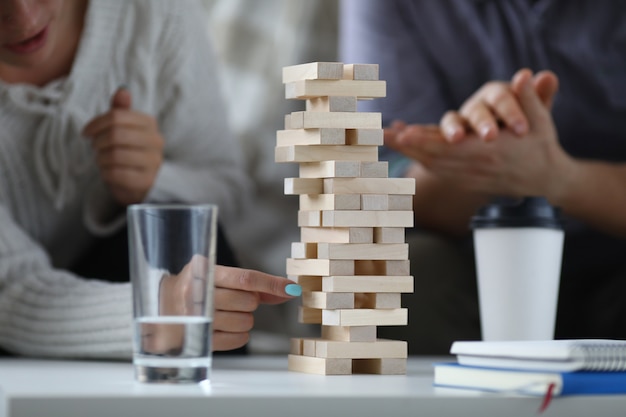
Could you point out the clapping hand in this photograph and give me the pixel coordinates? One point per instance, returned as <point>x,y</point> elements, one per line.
<point>501,142</point>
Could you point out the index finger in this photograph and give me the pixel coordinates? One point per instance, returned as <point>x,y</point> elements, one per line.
<point>255,281</point>
<point>506,107</point>
<point>453,126</point>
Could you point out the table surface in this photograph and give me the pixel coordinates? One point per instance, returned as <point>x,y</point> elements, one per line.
<point>259,386</point>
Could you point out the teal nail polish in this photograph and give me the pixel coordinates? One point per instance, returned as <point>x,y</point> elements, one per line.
<point>293,289</point>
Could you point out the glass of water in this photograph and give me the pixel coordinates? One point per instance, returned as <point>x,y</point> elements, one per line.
<point>172,262</point>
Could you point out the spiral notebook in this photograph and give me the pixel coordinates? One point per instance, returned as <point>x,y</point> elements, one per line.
<point>571,355</point>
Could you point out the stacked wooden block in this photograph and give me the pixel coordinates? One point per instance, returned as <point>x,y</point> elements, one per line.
<point>352,260</point>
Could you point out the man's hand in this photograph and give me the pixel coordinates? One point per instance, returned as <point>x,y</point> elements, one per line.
<point>532,164</point>
<point>413,140</point>
<point>495,107</point>
<point>129,149</point>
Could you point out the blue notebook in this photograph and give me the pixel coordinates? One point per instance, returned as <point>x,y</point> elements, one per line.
<point>538,383</point>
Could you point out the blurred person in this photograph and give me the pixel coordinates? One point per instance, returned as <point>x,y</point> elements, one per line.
<point>76,150</point>
<point>503,140</point>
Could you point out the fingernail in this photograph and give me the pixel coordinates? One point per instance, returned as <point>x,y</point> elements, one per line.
<point>527,84</point>
<point>122,87</point>
<point>519,128</point>
<point>485,130</point>
<point>451,133</point>
<point>294,290</point>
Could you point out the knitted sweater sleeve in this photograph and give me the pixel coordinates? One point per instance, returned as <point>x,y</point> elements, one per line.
<point>52,313</point>
<point>203,163</point>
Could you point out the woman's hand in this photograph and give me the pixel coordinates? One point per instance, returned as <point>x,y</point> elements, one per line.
<point>238,293</point>
<point>129,149</point>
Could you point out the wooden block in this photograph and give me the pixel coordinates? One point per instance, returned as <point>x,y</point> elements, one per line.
<point>378,349</point>
<point>308,347</point>
<point>349,334</point>
<point>309,218</point>
<point>339,120</point>
<point>310,153</point>
<point>357,251</point>
<point>397,268</point>
<point>306,89</point>
<point>295,346</point>
<point>365,317</point>
<point>330,202</point>
<point>337,235</point>
<point>313,71</point>
<point>364,137</point>
<point>332,104</point>
<point>374,169</point>
<point>302,250</point>
<point>348,72</point>
<point>369,185</point>
<point>310,315</point>
<point>330,301</point>
<point>392,268</point>
<point>378,300</point>
<point>327,136</point>
<point>387,300</point>
<point>307,282</point>
<point>360,72</point>
<point>379,366</point>
<point>367,284</point>
<point>288,121</point>
<point>374,202</point>
<point>389,235</point>
<point>359,235</point>
<point>366,72</point>
<point>320,366</point>
<point>319,267</point>
<point>400,202</point>
<point>330,169</point>
<point>389,202</point>
<point>352,218</point>
<point>295,186</point>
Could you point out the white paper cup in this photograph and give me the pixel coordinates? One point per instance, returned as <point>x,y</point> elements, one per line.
<point>518,273</point>
<point>518,247</point>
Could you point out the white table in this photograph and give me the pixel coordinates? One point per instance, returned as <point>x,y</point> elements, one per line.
<point>259,386</point>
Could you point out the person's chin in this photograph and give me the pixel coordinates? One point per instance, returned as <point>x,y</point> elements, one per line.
<point>31,61</point>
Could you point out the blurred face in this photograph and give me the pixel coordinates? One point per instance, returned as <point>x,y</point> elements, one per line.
<point>29,31</point>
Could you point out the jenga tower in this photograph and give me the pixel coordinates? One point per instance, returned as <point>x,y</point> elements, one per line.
<point>352,260</point>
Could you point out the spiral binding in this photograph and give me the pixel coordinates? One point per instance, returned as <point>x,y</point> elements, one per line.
<point>601,357</point>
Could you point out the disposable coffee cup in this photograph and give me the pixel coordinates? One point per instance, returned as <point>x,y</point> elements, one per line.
<point>518,247</point>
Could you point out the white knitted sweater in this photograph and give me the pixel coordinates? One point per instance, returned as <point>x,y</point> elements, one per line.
<point>52,203</point>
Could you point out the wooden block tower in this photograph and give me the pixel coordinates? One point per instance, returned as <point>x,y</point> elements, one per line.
<point>352,260</point>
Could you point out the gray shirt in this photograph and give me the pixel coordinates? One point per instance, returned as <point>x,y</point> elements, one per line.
<point>435,53</point>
